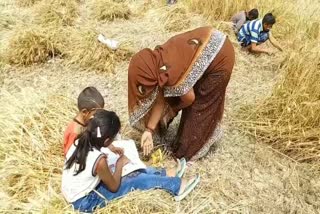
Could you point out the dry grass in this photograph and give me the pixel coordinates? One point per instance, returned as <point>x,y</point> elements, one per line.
<point>57,12</point>
<point>34,45</point>
<point>176,19</point>
<point>107,10</point>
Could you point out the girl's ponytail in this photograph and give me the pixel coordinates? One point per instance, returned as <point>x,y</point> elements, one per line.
<point>80,154</point>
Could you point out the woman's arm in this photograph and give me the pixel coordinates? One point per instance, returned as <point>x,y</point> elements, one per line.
<point>185,101</point>
<point>156,112</point>
<point>112,181</point>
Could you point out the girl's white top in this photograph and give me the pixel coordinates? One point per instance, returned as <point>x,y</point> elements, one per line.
<point>75,187</point>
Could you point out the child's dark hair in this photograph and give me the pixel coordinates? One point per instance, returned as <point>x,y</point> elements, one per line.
<point>269,19</point>
<point>254,13</point>
<point>90,98</point>
<point>104,125</point>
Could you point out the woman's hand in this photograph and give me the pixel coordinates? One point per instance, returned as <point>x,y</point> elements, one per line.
<point>146,142</point>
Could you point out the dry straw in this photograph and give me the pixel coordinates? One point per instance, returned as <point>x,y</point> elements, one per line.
<point>57,12</point>
<point>107,10</point>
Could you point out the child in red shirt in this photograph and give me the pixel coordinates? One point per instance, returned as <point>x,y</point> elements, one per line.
<point>89,100</point>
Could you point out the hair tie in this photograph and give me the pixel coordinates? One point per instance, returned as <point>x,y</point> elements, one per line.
<point>98,132</point>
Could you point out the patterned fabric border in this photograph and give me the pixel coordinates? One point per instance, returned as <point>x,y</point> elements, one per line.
<point>142,109</point>
<point>200,66</point>
<point>216,136</point>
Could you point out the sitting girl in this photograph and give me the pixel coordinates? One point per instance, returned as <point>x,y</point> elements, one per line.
<point>87,181</point>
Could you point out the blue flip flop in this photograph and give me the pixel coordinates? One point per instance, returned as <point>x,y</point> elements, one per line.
<point>183,165</point>
<point>190,186</point>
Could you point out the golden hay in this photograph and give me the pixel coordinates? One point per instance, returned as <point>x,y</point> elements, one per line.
<point>106,10</point>
<point>57,12</point>
<point>34,45</point>
<point>86,51</point>
<point>177,19</point>
<point>26,3</point>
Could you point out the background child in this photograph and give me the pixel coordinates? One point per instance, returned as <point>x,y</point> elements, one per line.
<point>239,19</point>
<point>87,181</point>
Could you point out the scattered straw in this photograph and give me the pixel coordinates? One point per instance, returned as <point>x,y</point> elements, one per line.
<point>106,10</point>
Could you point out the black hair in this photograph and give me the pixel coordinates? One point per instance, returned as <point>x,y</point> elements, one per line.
<point>269,19</point>
<point>254,13</point>
<point>90,98</point>
<point>105,124</point>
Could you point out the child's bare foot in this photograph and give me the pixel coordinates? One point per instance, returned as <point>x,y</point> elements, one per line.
<point>179,170</point>
<point>186,187</point>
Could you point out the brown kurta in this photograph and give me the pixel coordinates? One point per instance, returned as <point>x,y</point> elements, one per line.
<point>201,59</point>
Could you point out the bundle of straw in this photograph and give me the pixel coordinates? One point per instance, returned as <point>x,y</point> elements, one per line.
<point>57,12</point>
<point>35,45</point>
<point>107,10</point>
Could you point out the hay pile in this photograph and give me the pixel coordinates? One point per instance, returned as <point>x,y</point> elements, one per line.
<point>57,12</point>
<point>176,19</point>
<point>108,10</point>
<point>34,45</point>
<point>86,51</point>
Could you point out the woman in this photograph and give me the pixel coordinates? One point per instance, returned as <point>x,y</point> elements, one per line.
<point>190,72</point>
